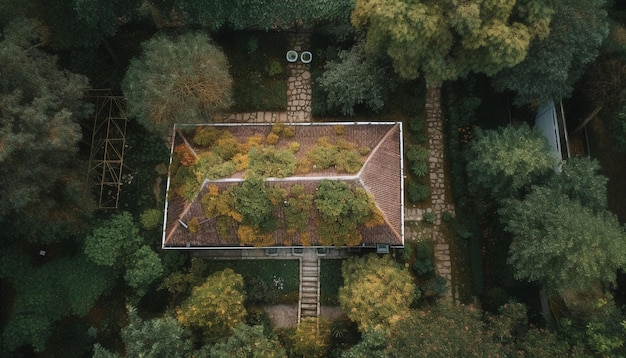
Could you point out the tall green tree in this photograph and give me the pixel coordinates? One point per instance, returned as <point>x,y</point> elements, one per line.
<point>215,308</point>
<point>182,79</point>
<point>503,162</point>
<point>40,106</point>
<point>444,40</point>
<point>116,243</point>
<point>376,293</point>
<point>555,63</point>
<point>562,244</point>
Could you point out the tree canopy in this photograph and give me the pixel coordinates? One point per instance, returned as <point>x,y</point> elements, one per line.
<point>445,40</point>
<point>249,341</point>
<point>182,79</point>
<point>216,307</point>
<point>556,62</point>
<point>502,162</point>
<point>561,243</point>
<point>242,14</point>
<point>376,293</point>
<point>41,177</point>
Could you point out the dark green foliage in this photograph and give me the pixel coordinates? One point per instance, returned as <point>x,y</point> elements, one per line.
<point>580,181</point>
<point>253,202</point>
<point>298,209</point>
<point>110,242</point>
<point>417,192</point>
<point>50,292</point>
<point>617,124</point>
<point>177,80</point>
<point>273,282</point>
<point>41,177</point>
<point>554,64</point>
<point>143,269</point>
<point>430,217</point>
<point>424,259</point>
<point>417,158</point>
<point>158,337</point>
<point>330,282</point>
<point>256,13</point>
<point>116,244</point>
<point>96,20</point>
<point>258,85</point>
<point>249,341</point>
<point>502,163</point>
<point>561,243</point>
<point>356,80</point>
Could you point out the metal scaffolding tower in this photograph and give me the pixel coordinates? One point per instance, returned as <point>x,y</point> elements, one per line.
<point>108,142</point>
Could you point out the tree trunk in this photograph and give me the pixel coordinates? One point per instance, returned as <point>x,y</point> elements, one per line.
<point>587,120</point>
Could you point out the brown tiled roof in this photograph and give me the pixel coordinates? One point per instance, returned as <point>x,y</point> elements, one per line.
<point>381,176</point>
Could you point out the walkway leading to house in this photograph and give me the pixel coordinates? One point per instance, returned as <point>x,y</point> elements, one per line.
<point>309,304</point>
<point>440,202</point>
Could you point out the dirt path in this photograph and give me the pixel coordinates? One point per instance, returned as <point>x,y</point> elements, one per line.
<point>286,316</point>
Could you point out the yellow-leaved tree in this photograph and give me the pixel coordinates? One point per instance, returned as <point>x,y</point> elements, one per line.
<point>377,292</point>
<point>215,307</point>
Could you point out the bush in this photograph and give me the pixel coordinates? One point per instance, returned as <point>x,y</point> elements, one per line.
<point>417,192</point>
<point>355,79</point>
<point>424,259</point>
<point>151,219</point>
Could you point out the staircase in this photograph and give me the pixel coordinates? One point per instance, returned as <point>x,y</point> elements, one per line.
<point>309,285</point>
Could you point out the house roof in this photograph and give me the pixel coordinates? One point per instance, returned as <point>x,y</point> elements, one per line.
<point>380,175</point>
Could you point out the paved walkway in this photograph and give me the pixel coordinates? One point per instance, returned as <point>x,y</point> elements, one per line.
<point>440,203</point>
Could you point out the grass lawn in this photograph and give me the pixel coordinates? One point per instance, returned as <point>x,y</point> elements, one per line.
<point>330,281</point>
<point>266,281</point>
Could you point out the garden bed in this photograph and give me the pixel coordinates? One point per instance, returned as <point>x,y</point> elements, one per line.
<point>267,282</point>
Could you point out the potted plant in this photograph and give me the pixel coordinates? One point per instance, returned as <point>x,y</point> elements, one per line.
<point>292,56</point>
<point>306,57</point>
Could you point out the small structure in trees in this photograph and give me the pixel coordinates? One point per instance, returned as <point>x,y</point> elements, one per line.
<point>108,142</point>
<point>285,185</point>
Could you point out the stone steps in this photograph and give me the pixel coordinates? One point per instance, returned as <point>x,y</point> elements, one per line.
<point>309,285</point>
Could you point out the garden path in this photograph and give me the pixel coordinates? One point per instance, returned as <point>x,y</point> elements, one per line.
<point>441,203</point>
<point>298,91</point>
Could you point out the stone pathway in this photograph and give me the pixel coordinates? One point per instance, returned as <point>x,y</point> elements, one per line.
<point>298,92</point>
<point>309,305</point>
<point>440,204</point>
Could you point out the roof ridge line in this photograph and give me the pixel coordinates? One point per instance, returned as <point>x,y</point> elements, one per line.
<point>380,143</point>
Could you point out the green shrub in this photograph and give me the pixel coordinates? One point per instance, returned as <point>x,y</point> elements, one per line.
<point>424,259</point>
<point>435,287</point>
<point>151,219</point>
<point>419,169</point>
<point>206,136</point>
<point>416,153</point>
<point>417,192</point>
<point>270,162</point>
<point>430,217</point>
<point>294,147</point>
<point>274,68</point>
